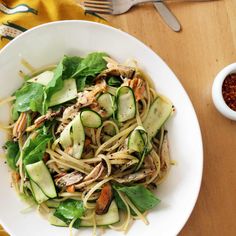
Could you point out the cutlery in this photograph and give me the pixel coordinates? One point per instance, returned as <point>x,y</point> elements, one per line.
<point>167,16</point>
<point>116,7</point>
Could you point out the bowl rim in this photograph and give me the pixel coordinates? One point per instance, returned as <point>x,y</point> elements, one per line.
<point>201,163</point>
<point>217,95</point>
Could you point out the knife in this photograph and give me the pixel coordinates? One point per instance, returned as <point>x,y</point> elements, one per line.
<point>167,16</point>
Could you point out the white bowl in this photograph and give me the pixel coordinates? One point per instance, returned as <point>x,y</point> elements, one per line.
<point>47,44</point>
<point>217,95</point>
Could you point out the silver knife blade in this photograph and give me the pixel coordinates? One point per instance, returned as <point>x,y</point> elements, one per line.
<point>168,16</point>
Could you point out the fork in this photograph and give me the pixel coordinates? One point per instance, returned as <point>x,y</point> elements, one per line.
<point>116,7</point>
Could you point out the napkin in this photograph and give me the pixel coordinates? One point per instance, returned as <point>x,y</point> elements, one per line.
<point>17,16</point>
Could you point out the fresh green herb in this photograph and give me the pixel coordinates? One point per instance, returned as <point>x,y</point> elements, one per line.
<point>12,153</point>
<point>141,197</point>
<point>114,81</point>
<point>80,83</point>
<point>29,97</point>
<point>91,65</point>
<point>70,209</point>
<point>35,148</point>
<point>88,68</point>
<point>56,83</point>
<point>70,65</point>
<point>15,114</point>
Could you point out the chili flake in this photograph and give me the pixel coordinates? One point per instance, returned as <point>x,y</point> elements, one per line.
<point>229,91</point>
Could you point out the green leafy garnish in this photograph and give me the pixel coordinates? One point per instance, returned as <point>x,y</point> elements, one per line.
<point>70,65</point>
<point>70,209</point>
<point>114,81</point>
<point>29,97</point>
<point>141,197</point>
<point>56,83</point>
<point>35,148</point>
<point>91,65</point>
<point>12,153</point>
<point>88,68</point>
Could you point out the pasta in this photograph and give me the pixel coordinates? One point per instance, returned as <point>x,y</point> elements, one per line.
<point>88,137</point>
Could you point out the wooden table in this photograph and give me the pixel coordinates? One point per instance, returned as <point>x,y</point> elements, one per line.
<point>206,44</point>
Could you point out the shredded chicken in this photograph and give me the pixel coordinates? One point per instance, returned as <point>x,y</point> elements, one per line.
<point>92,177</point>
<point>40,120</point>
<point>69,179</point>
<point>20,126</point>
<point>118,70</point>
<point>84,99</point>
<point>138,86</point>
<point>135,176</point>
<point>149,163</point>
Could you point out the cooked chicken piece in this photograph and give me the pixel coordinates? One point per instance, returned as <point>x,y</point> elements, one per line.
<point>104,200</point>
<point>117,70</point>
<point>138,86</point>
<point>148,163</point>
<point>20,126</point>
<point>92,177</point>
<point>40,120</point>
<point>135,177</point>
<point>165,154</point>
<point>68,179</point>
<point>84,99</point>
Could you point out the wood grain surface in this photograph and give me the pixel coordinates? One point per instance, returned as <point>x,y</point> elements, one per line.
<point>206,44</point>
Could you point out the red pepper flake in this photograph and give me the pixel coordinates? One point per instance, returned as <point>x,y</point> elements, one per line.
<point>229,91</point>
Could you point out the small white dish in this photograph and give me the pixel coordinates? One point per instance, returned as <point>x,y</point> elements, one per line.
<point>217,95</point>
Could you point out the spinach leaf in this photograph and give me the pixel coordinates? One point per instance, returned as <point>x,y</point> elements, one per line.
<point>80,83</point>
<point>29,97</point>
<point>114,81</point>
<point>119,202</point>
<point>91,65</point>
<point>35,148</point>
<point>12,154</point>
<point>70,64</point>
<point>14,113</point>
<point>56,83</point>
<point>141,197</point>
<point>69,210</point>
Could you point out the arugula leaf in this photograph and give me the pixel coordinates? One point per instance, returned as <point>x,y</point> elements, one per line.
<point>69,210</point>
<point>29,97</point>
<point>12,153</point>
<point>91,65</point>
<point>70,65</point>
<point>114,81</point>
<point>56,83</point>
<point>141,197</point>
<point>35,148</point>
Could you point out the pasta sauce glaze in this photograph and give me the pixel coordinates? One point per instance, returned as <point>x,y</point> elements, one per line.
<point>229,91</point>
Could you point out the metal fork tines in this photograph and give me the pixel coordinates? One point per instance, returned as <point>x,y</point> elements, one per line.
<point>99,6</point>
<point>116,7</point>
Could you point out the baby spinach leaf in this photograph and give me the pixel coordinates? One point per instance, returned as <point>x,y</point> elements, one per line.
<point>70,65</point>
<point>114,81</point>
<point>56,83</point>
<point>12,153</point>
<point>70,209</point>
<point>80,83</point>
<point>141,197</point>
<point>29,97</point>
<point>91,65</point>
<point>35,148</point>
